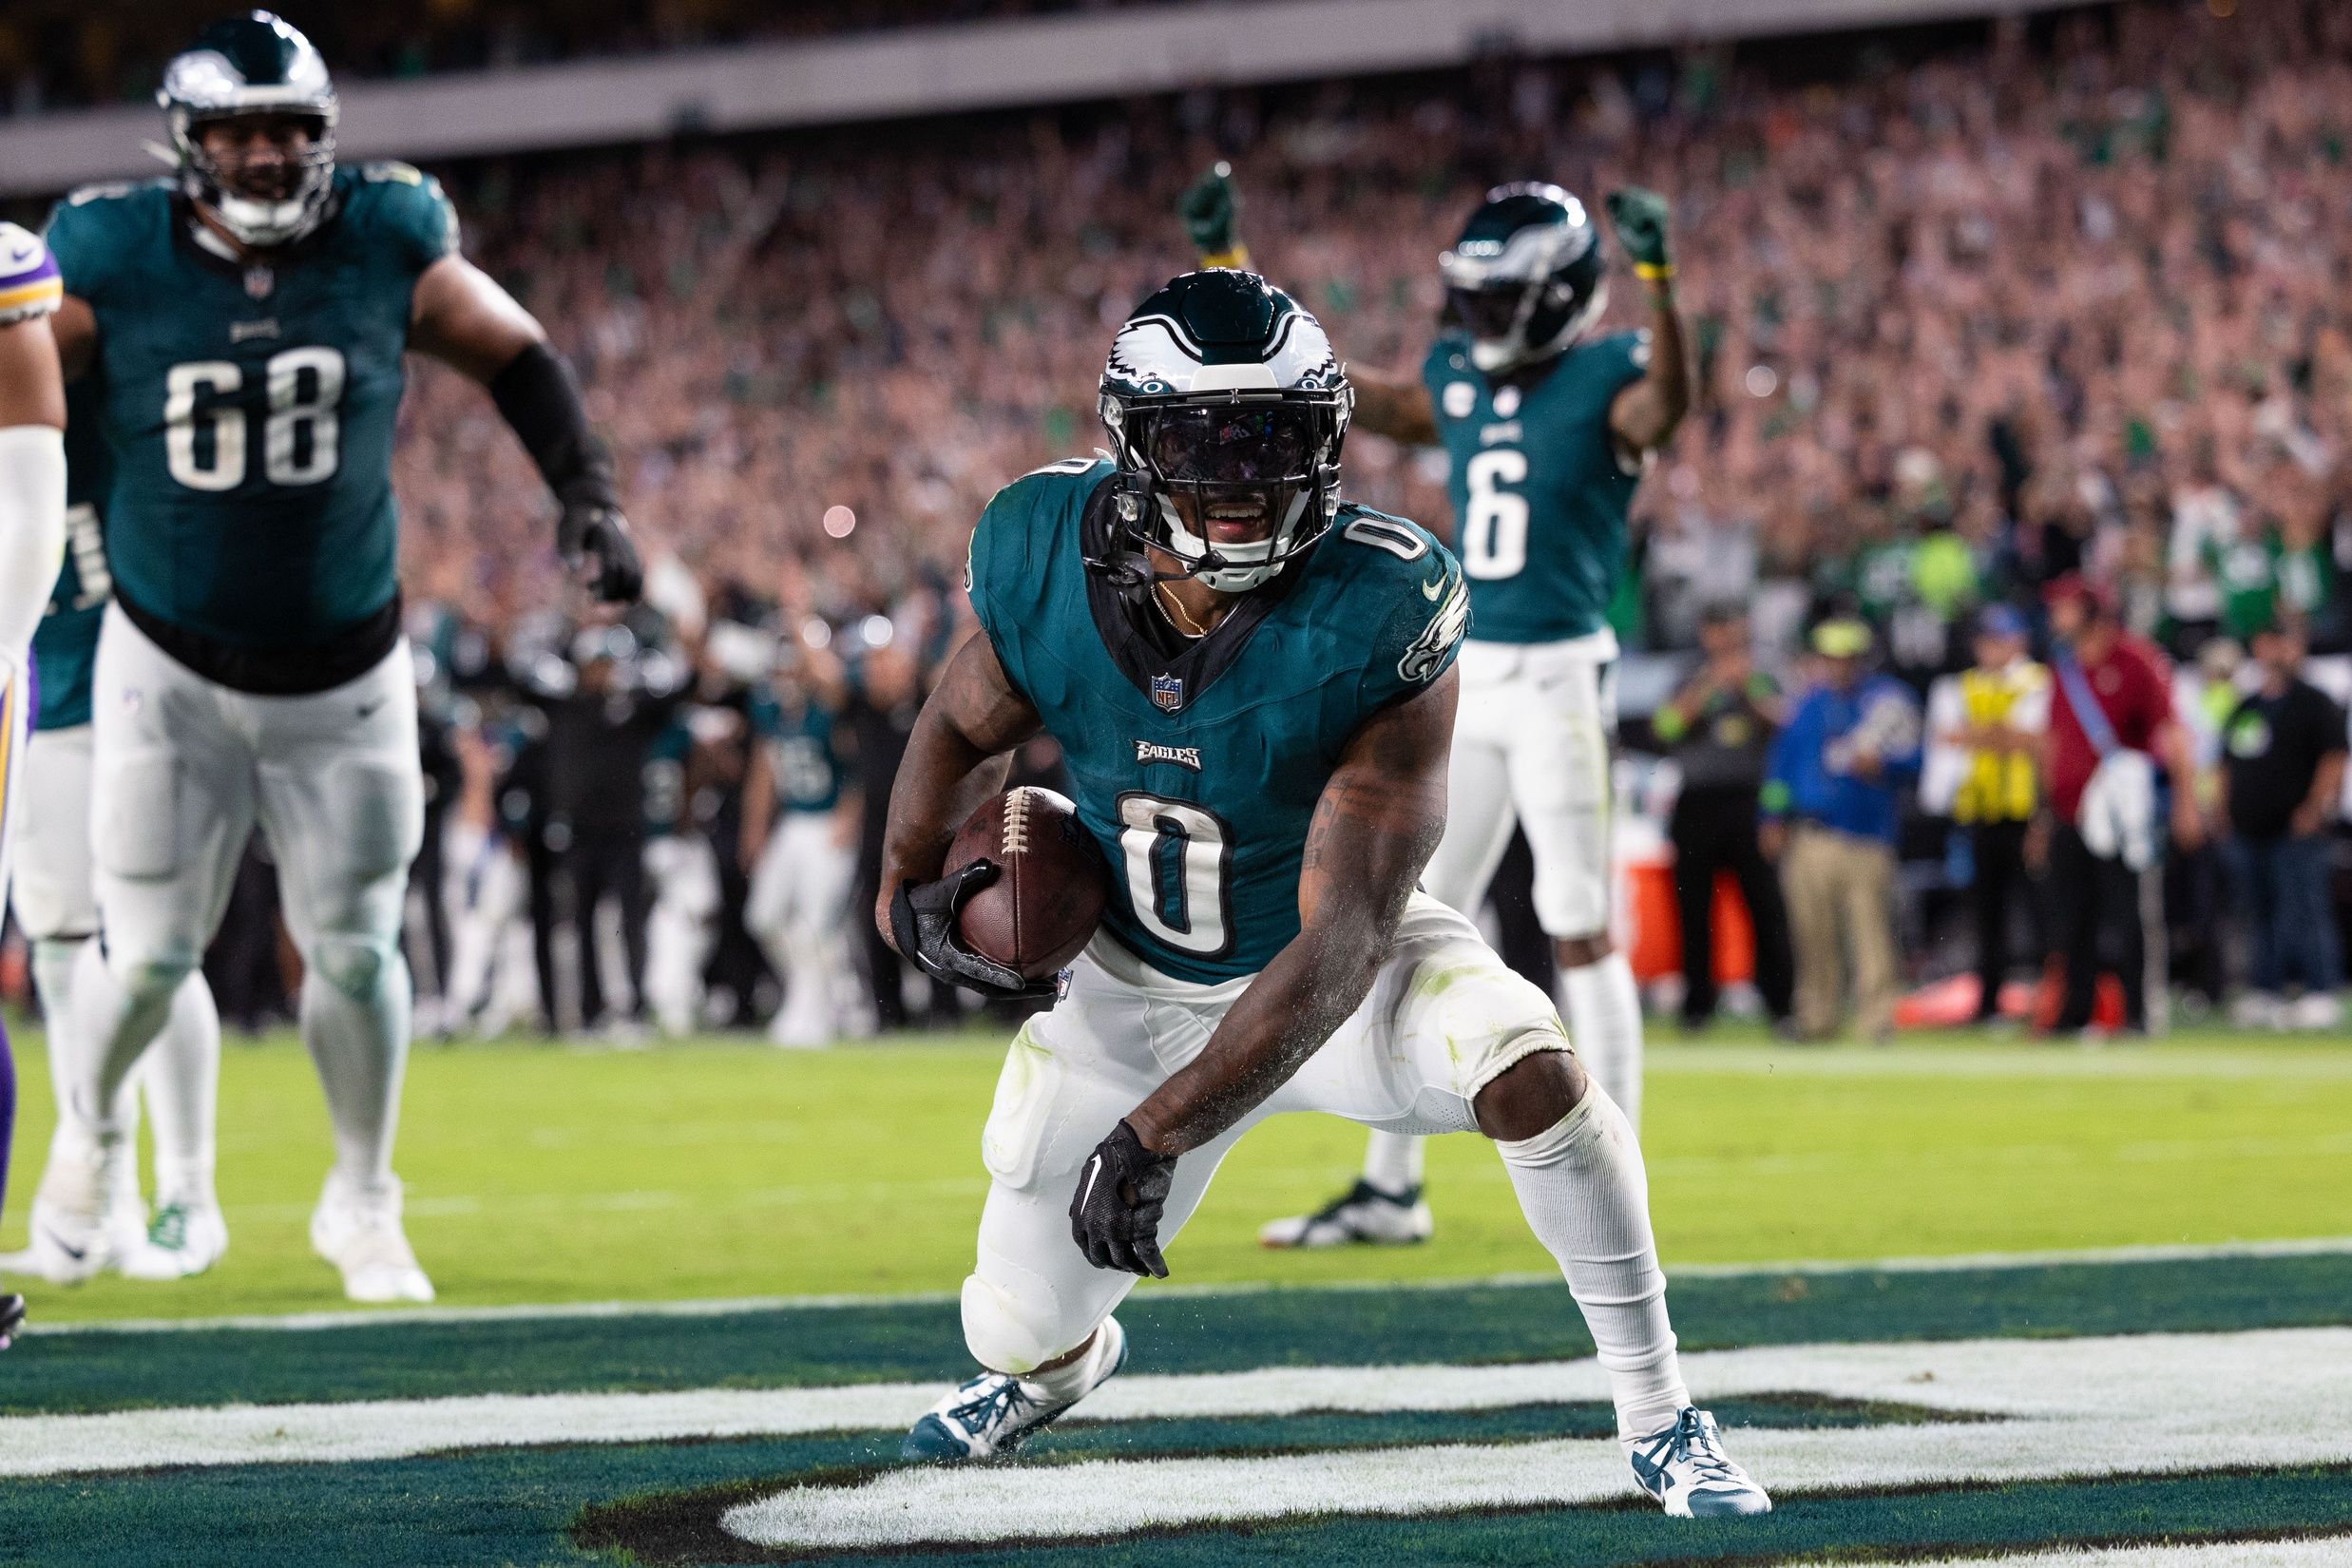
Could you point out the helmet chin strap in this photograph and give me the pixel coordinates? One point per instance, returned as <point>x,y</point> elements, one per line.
<point>1242,567</point>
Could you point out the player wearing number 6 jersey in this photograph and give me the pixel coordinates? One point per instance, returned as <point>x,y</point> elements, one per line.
<point>243,324</point>
<point>1252,685</point>
<point>1549,429</point>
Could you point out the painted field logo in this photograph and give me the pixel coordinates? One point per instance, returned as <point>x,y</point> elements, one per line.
<point>1863,1445</point>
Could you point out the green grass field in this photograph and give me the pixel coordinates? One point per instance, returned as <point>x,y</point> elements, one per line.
<point>722,1169</point>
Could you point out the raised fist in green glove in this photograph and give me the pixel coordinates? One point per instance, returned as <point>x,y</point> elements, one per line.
<point>1639,218</point>
<point>1211,209</point>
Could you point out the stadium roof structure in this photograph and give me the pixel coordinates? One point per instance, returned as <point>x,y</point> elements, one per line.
<point>918,71</point>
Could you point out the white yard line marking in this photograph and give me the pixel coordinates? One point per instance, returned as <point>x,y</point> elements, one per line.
<point>2268,1397</point>
<point>361,1318</point>
<point>2079,1407</point>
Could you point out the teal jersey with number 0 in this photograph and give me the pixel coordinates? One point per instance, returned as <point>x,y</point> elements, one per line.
<point>1197,770</point>
<point>249,408</point>
<point>1539,495</point>
<point>64,645</point>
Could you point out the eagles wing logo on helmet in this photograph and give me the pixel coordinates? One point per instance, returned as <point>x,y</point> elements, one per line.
<point>1227,410</point>
<point>248,66</point>
<point>1526,277</point>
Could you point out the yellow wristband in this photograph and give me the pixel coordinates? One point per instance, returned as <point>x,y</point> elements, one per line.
<point>1653,271</point>
<point>1237,257</point>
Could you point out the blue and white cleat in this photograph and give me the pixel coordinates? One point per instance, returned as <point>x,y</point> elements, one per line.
<point>990,1416</point>
<point>1685,1468</point>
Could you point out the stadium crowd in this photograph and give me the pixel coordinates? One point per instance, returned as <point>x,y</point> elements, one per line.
<point>2059,305</point>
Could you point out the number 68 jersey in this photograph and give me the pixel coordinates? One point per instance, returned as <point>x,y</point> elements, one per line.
<point>248,408</point>
<point>1539,495</point>
<point>1197,764</point>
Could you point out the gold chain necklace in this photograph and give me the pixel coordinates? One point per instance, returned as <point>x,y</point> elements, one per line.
<point>1175,607</point>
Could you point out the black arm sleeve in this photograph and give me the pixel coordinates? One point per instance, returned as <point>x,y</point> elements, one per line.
<point>538,396</point>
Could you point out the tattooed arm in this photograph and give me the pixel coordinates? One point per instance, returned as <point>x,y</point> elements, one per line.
<point>1376,826</point>
<point>956,758</point>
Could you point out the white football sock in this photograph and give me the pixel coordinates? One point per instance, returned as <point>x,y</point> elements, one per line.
<point>1067,1383</point>
<point>112,1028</point>
<point>1601,1006</point>
<point>55,965</point>
<point>1393,1161</point>
<point>1586,1195</point>
<point>357,1033</point>
<point>181,1079</point>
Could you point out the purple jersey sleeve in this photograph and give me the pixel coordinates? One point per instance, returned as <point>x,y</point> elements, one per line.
<point>28,282</point>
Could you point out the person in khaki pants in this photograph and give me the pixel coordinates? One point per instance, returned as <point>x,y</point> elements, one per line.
<point>1831,802</point>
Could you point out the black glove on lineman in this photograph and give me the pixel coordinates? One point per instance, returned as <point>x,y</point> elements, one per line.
<point>594,541</point>
<point>1114,1228</point>
<point>923,921</point>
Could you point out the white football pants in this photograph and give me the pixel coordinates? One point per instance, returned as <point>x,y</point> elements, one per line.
<point>679,931</point>
<point>184,769</point>
<point>56,902</point>
<point>1445,1018</point>
<point>797,908</point>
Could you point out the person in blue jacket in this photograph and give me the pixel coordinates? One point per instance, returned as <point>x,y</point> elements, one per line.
<point>1831,799</point>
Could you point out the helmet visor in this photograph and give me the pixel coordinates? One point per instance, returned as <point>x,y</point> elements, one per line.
<point>1236,445</point>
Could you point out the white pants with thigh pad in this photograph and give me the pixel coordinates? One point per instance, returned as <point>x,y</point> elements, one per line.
<point>1444,1019</point>
<point>1531,745</point>
<point>185,767</point>
<point>52,890</point>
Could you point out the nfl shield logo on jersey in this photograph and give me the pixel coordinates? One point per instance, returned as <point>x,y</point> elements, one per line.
<point>1168,691</point>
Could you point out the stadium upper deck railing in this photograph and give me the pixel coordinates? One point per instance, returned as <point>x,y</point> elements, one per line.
<point>920,71</point>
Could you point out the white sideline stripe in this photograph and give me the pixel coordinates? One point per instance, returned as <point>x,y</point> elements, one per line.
<point>2076,1408</point>
<point>2311,1061</point>
<point>362,1318</point>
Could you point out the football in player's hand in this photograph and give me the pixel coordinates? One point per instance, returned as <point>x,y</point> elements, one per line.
<point>1050,886</point>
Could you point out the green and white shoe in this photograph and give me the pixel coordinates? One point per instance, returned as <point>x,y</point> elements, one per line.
<point>184,1239</point>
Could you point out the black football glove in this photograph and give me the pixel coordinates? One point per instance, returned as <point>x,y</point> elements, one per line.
<point>1211,208</point>
<point>1115,1213</point>
<point>594,541</point>
<point>923,921</point>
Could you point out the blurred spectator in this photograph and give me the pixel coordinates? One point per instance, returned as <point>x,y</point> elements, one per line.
<point>2284,765</point>
<point>1719,728</point>
<point>1831,799</point>
<point>885,694</point>
<point>2110,726</point>
<point>1989,721</point>
<point>799,849</point>
<point>600,736</point>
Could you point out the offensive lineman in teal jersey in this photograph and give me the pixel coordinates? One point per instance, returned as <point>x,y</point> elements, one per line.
<point>1252,685</point>
<point>245,324</point>
<point>55,899</point>
<point>1548,429</point>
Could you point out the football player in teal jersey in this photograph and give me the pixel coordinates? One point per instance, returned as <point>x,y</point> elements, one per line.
<point>33,541</point>
<point>56,902</point>
<point>799,845</point>
<point>1253,687</point>
<point>244,322</point>
<point>1549,429</point>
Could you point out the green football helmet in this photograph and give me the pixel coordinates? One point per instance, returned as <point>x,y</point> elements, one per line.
<point>1525,279</point>
<point>250,66</point>
<point>1222,393</point>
